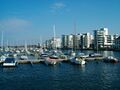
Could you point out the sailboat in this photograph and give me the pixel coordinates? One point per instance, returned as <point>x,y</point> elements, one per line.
<point>110,59</point>
<point>53,58</point>
<point>76,59</point>
<point>96,55</point>
<point>24,55</point>
<point>2,41</point>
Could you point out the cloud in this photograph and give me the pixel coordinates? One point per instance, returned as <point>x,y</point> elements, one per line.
<point>14,24</point>
<point>58,8</point>
<point>58,5</point>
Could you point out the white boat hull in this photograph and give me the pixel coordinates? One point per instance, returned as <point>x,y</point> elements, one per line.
<point>78,61</point>
<point>24,58</point>
<point>49,61</point>
<point>9,64</point>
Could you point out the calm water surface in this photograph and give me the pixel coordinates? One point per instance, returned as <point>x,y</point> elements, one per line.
<point>65,76</point>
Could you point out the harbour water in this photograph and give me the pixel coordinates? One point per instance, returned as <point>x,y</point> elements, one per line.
<point>95,75</point>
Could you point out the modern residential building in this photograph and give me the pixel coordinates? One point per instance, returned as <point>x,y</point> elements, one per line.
<point>64,41</point>
<point>48,44</point>
<point>100,38</point>
<point>67,41</point>
<point>53,43</point>
<point>86,41</point>
<point>117,43</point>
<point>70,41</point>
<point>76,41</point>
<point>57,42</point>
<point>108,41</point>
<point>79,40</point>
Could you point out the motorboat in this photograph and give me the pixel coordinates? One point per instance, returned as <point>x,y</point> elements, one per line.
<point>110,59</point>
<point>2,58</point>
<point>9,62</point>
<point>23,57</point>
<point>82,55</point>
<point>43,56</point>
<point>95,55</point>
<point>52,60</point>
<point>78,60</point>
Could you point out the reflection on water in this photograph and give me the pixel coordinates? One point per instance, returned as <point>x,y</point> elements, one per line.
<point>8,69</point>
<point>108,53</point>
<point>82,68</point>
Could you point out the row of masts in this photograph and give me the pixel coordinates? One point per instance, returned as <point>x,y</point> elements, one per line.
<point>54,40</point>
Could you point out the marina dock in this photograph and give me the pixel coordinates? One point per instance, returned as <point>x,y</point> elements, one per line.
<point>38,61</point>
<point>27,61</point>
<point>94,58</point>
<point>30,61</point>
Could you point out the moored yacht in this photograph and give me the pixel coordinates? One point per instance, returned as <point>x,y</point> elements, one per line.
<point>82,55</point>
<point>23,57</point>
<point>9,62</point>
<point>78,60</point>
<point>95,55</point>
<point>110,59</point>
<point>2,58</point>
<point>52,60</point>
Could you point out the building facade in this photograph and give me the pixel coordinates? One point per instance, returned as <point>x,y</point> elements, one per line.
<point>70,41</point>
<point>64,41</point>
<point>53,43</point>
<point>86,41</point>
<point>117,43</point>
<point>100,38</point>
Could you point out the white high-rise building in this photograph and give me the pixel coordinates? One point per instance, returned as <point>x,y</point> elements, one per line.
<point>76,41</point>
<point>64,41</point>
<point>53,43</point>
<point>99,37</point>
<point>70,41</point>
<point>117,43</point>
<point>102,39</point>
<point>108,41</point>
<point>86,40</point>
<point>67,41</point>
<point>57,42</point>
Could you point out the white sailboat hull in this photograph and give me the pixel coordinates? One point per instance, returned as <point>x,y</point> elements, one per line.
<point>78,61</point>
<point>49,61</point>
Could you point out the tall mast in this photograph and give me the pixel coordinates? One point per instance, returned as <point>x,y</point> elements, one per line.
<point>26,46</point>
<point>54,43</point>
<point>74,28</point>
<point>7,44</point>
<point>74,36</point>
<point>2,41</point>
<point>40,41</point>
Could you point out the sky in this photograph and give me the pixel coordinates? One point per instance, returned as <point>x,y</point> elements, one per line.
<point>32,20</point>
